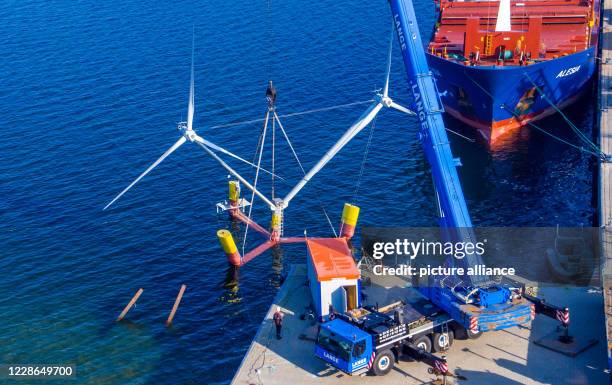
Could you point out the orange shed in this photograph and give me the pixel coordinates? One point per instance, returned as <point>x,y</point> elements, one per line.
<point>333,275</point>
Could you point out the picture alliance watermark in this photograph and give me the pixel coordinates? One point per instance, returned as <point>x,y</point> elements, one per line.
<point>439,271</point>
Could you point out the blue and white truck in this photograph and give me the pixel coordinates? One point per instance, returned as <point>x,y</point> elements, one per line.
<point>370,339</point>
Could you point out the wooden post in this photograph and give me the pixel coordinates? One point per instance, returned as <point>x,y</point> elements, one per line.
<point>176,305</point>
<point>130,304</point>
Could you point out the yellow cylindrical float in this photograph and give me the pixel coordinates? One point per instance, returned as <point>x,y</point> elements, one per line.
<point>229,247</point>
<point>350,215</point>
<point>275,225</point>
<point>234,196</point>
<point>234,192</point>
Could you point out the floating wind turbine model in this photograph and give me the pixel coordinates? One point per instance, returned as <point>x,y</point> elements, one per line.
<point>381,100</point>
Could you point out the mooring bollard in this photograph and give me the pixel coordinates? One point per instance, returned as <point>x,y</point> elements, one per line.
<point>130,304</point>
<point>176,305</point>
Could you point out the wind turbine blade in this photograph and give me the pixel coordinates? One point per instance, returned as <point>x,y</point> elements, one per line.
<point>151,167</point>
<point>355,129</point>
<point>191,108</point>
<point>238,176</point>
<point>388,75</point>
<point>402,108</point>
<point>215,147</point>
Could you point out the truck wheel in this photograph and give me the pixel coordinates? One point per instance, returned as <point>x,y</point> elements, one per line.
<point>383,363</point>
<point>473,335</point>
<point>442,341</point>
<point>423,343</point>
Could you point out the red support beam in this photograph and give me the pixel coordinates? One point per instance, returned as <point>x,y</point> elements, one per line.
<point>252,224</point>
<point>256,251</point>
<point>292,240</point>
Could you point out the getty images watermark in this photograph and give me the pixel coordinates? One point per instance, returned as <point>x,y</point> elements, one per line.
<point>410,250</point>
<point>568,256</point>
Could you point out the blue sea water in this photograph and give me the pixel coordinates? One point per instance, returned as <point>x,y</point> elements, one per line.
<point>90,93</point>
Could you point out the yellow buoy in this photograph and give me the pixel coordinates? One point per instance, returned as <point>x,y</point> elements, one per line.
<point>276,220</point>
<point>350,215</point>
<point>234,192</point>
<point>234,197</point>
<point>229,247</point>
<point>275,225</point>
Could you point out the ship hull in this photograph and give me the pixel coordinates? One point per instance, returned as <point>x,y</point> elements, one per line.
<point>497,100</point>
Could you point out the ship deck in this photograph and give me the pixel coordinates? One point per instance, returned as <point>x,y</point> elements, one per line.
<point>541,30</point>
<point>503,358</point>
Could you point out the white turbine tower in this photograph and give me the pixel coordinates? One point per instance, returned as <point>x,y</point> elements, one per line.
<point>188,134</point>
<point>381,100</point>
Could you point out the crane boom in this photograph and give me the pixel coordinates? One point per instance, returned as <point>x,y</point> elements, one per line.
<point>453,211</point>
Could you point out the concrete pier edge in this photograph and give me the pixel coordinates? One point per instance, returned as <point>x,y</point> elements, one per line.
<point>282,292</point>
<point>605,169</point>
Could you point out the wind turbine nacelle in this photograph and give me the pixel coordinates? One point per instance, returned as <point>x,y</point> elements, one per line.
<point>191,135</point>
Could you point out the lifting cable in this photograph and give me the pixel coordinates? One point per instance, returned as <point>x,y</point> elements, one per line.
<point>261,130</point>
<point>578,132</point>
<point>271,38</point>
<point>579,148</point>
<point>471,140</point>
<point>263,141</point>
<point>294,114</point>
<point>364,160</point>
<point>280,125</point>
<point>273,151</point>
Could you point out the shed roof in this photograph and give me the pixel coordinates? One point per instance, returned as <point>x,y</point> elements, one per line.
<point>332,258</point>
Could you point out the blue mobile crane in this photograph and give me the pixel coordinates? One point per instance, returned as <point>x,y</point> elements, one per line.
<point>372,339</point>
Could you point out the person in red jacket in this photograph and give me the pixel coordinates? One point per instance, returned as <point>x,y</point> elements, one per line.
<point>278,321</point>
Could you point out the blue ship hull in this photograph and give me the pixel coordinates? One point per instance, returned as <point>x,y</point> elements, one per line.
<point>496,100</point>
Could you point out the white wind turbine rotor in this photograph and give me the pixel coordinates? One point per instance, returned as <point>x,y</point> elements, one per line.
<point>188,133</point>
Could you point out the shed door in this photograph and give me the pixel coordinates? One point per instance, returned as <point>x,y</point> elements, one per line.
<point>339,299</point>
<point>351,296</point>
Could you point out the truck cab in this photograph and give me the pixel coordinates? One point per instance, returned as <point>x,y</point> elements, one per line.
<point>344,346</point>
